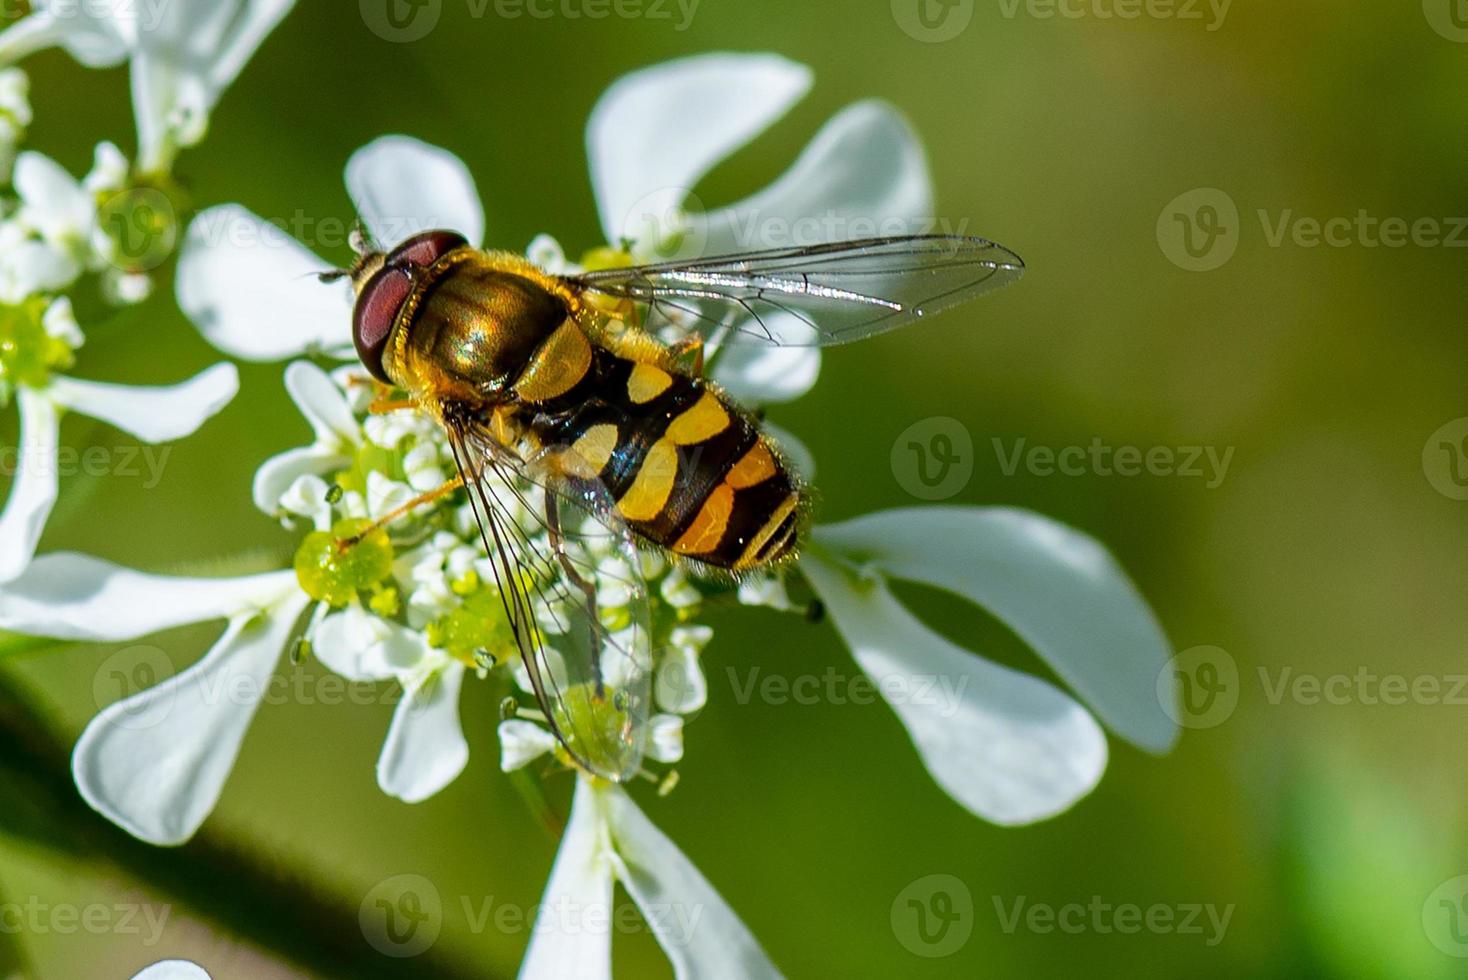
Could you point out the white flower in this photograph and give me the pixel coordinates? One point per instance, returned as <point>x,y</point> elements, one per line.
<point>62,211</point>
<point>651,138</point>
<point>154,763</point>
<point>182,56</point>
<point>425,748</point>
<point>1010,747</point>
<point>607,841</point>
<point>35,343</point>
<point>15,116</point>
<point>172,970</point>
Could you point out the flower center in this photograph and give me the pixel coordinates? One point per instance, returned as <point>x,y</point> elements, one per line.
<point>28,354</point>
<point>476,627</point>
<point>333,566</point>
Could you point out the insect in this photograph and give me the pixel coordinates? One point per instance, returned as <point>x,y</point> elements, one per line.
<point>576,407</point>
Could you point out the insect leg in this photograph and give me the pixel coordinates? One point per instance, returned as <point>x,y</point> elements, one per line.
<point>689,349</point>
<point>383,405</point>
<point>402,510</point>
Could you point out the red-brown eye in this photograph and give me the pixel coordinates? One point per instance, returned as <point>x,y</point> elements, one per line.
<point>372,319</point>
<point>425,248</point>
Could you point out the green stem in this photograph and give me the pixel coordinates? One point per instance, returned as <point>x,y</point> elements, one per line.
<point>246,892</point>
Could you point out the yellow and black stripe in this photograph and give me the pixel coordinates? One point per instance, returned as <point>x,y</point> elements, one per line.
<point>690,472</point>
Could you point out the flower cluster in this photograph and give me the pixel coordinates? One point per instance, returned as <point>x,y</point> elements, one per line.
<point>106,234</point>
<point>414,600</point>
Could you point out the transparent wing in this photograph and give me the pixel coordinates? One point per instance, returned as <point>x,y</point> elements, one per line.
<point>572,588</point>
<point>813,296</point>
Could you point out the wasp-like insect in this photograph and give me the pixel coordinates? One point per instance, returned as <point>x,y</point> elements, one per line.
<point>583,428</point>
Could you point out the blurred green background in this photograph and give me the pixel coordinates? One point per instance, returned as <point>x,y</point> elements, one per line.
<point>1326,549</point>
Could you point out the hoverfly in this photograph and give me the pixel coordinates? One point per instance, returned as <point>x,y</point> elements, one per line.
<point>560,401</point>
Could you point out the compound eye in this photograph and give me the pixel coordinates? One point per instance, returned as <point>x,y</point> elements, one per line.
<point>376,310</point>
<point>425,248</point>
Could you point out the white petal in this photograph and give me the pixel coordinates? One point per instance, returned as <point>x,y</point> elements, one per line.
<point>247,32</point>
<point>665,738</point>
<point>77,597</point>
<point>251,289</point>
<point>1057,588</point>
<point>32,266</point>
<point>33,492</point>
<point>155,763</point>
<point>95,34</point>
<point>679,685</point>
<point>793,451</point>
<point>280,472</point>
<point>402,186</point>
<point>1009,747</point>
<point>172,970</point>
<point>572,934</point>
<point>655,132</point>
<point>153,414</point>
<point>60,322</point>
<point>757,375</point>
<point>698,931</point>
<point>323,404</point>
<point>425,748</point>
<point>53,202</point>
<point>522,742</point>
<point>364,647</point>
<point>863,175</point>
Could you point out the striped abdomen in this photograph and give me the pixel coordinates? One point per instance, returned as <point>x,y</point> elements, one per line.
<point>689,471</point>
